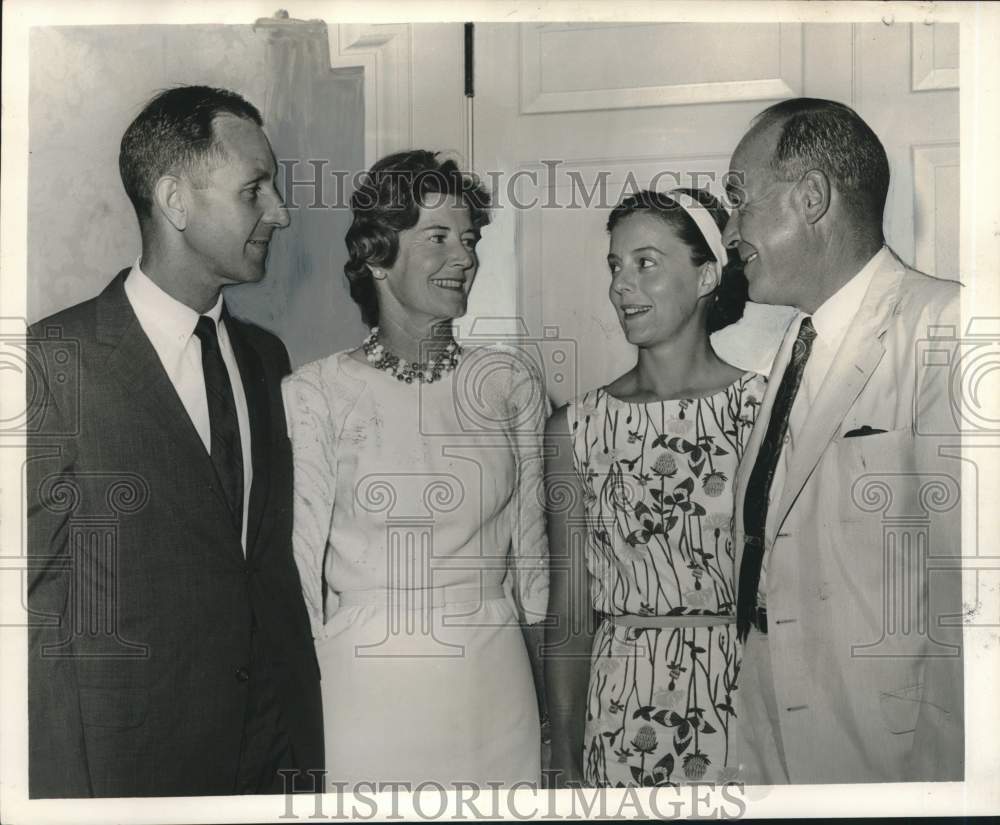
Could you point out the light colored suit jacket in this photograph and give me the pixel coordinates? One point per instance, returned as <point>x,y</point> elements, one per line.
<point>863,590</point>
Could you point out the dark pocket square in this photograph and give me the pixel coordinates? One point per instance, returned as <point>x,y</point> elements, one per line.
<point>865,430</point>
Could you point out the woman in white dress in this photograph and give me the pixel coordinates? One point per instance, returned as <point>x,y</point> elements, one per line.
<point>419,530</point>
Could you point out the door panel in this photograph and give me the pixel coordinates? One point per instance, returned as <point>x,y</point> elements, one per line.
<point>572,66</point>
<point>566,115</point>
<point>632,104</point>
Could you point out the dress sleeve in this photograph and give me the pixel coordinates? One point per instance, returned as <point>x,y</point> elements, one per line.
<point>312,432</point>
<point>528,562</point>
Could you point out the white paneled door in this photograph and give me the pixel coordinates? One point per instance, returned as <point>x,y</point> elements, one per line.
<point>568,115</point>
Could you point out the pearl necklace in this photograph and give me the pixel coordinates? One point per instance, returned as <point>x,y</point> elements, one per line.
<point>425,373</point>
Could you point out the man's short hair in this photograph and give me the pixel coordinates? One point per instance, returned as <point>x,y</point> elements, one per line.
<point>173,134</point>
<point>831,137</point>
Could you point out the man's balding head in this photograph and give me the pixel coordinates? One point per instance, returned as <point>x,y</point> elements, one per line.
<point>808,185</point>
<point>830,137</point>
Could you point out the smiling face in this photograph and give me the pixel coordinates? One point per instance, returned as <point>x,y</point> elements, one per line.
<point>234,210</point>
<point>654,286</point>
<point>435,266</point>
<point>764,227</point>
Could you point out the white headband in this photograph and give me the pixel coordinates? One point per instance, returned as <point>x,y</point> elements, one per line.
<point>705,222</point>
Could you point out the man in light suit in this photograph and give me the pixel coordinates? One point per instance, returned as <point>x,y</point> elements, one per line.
<point>847,501</point>
<point>170,651</point>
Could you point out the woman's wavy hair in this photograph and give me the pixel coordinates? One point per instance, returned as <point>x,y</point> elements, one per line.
<point>387,200</point>
<point>731,295</point>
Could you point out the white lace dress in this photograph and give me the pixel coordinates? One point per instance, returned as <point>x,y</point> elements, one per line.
<point>420,540</point>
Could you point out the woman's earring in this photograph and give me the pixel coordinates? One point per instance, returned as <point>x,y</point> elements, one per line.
<point>377,273</point>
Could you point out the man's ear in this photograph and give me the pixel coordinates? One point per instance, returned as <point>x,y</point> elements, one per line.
<point>709,276</point>
<point>813,193</point>
<point>169,201</point>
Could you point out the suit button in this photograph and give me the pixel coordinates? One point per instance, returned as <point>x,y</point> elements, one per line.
<point>242,674</point>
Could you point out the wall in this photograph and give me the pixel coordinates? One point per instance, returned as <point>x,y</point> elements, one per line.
<point>81,227</point>
<point>651,105</point>
<point>640,98</point>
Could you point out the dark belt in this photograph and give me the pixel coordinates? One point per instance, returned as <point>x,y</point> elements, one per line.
<point>760,619</point>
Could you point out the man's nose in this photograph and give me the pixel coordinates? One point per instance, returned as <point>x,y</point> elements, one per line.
<point>731,234</point>
<point>277,215</point>
<point>281,218</point>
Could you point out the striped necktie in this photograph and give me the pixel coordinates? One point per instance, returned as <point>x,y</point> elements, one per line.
<point>759,486</point>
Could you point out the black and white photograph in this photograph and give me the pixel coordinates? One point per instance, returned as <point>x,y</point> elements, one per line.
<point>499,410</point>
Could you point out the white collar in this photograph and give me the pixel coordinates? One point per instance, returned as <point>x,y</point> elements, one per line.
<point>162,313</point>
<point>835,314</point>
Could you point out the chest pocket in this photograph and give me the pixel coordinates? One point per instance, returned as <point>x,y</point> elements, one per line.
<point>873,473</point>
<point>901,708</point>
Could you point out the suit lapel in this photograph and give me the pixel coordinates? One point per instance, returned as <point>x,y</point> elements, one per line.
<point>255,388</point>
<point>855,361</point>
<point>134,363</point>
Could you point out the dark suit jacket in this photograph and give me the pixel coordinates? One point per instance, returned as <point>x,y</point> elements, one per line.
<point>142,600</point>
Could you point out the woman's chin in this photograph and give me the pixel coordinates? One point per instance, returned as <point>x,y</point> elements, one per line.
<point>637,337</point>
<point>448,317</point>
<point>455,308</point>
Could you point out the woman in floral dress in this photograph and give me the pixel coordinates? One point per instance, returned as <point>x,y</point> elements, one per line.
<point>639,479</point>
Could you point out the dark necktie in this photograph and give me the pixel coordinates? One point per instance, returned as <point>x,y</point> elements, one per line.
<point>759,486</point>
<point>227,449</point>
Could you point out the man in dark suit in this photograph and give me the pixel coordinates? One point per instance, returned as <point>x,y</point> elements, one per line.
<point>170,651</point>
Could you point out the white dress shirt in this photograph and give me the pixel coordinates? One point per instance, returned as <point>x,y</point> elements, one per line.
<point>752,342</point>
<point>170,326</point>
<point>831,321</point>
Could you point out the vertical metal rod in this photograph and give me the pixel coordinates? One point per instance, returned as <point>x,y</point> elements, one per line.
<point>470,80</point>
<point>470,95</point>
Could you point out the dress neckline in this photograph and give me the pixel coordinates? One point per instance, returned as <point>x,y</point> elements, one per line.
<point>367,373</point>
<point>746,376</point>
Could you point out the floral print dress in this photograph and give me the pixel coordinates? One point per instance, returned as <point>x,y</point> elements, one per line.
<point>658,488</point>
